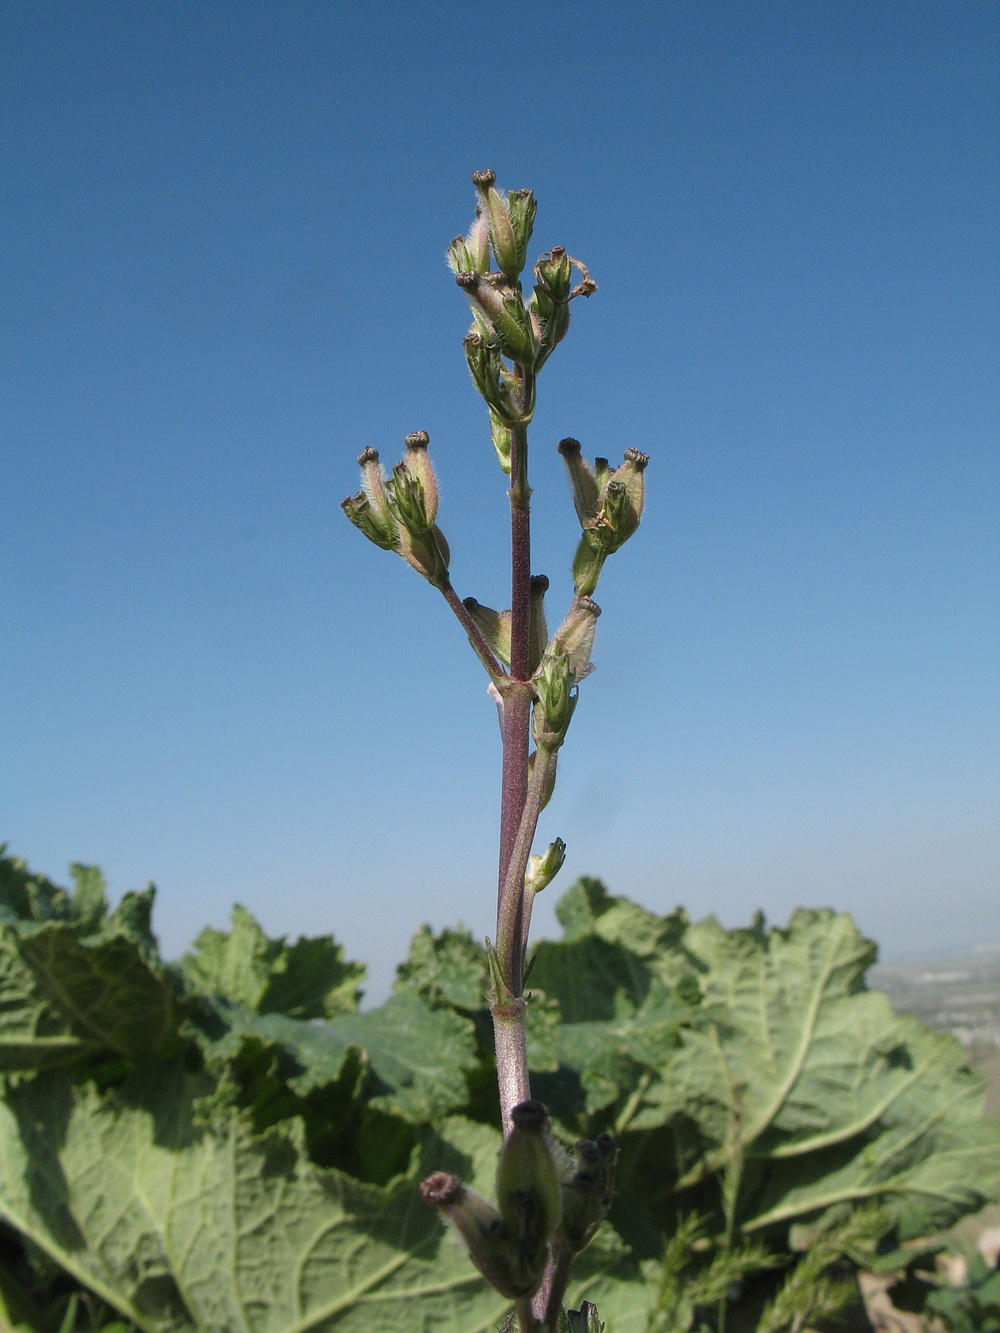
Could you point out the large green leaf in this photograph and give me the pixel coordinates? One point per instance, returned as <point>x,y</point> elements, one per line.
<point>185,1226</point>
<point>813,1090</point>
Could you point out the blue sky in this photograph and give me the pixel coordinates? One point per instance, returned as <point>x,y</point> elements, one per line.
<point>223,237</point>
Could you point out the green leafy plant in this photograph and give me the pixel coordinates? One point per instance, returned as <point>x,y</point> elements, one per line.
<point>250,1163</point>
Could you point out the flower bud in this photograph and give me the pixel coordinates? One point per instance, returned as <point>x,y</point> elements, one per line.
<point>418,464</point>
<point>471,253</point>
<point>494,627</point>
<point>575,636</point>
<point>555,274</point>
<point>587,1196</point>
<point>482,1228</point>
<point>528,1191</point>
<point>370,510</point>
<point>408,501</point>
<point>555,700</point>
<point>585,489</point>
<point>502,441</point>
<point>549,306</point>
<point>609,506</point>
<point>521,208</point>
<point>538,634</point>
<point>503,238</point>
<point>497,385</point>
<point>542,869</point>
<point>506,315</point>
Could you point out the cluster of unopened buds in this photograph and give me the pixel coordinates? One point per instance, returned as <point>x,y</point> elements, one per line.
<point>548,1203</point>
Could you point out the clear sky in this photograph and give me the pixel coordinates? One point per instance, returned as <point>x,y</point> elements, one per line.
<point>223,236</point>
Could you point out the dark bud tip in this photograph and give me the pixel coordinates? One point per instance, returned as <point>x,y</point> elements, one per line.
<point>634,456</point>
<point>418,440</point>
<point>569,447</point>
<point>557,251</point>
<point>529,1115</point>
<point>601,465</point>
<point>486,178</point>
<point>606,1143</point>
<point>469,281</point>
<point>368,455</point>
<point>588,1150</point>
<point>441,1189</point>
<point>539,583</point>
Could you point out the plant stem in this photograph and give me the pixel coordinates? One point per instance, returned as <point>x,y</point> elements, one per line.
<point>525,1316</point>
<point>548,1301</point>
<point>508,1010</point>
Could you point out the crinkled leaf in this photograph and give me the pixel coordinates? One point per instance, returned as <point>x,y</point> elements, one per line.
<point>612,1057</point>
<point>185,1226</point>
<point>586,909</point>
<point>308,979</point>
<point>25,896</point>
<point>450,966</point>
<point>823,1093</point>
<point>107,989</point>
<point>416,1054</point>
<point>34,1032</point>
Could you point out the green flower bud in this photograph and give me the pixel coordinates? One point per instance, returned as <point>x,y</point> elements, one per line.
<point>555,274</point>
<point>491,1248</point>
<point>587,1196</point>
<point>521,208</point>
<point>555,700</point>
<point>498,386</point>
<point>503,238</point>
<point>471,253</point>
<point>494,627</point>
<point>409,504</point>
<point>543,869</point>
<point>537,631</point>
<point>502,441</point>
<point>418,464</point>
<point>528,1189</point>
<point>609,506</point>
<point>370,510</point>
<point>575,636</point>
<point>549,306</point>
<point>506,316</point>
<point>585,490</point>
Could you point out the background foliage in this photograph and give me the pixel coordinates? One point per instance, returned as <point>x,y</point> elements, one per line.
<point>229,1143</point>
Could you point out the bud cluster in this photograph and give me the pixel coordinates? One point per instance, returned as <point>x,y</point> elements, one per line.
<point>543,1199</point>
<point>507,328</point>
<point>608,504</point>
<point>398,513</point>
<point>565,662</point>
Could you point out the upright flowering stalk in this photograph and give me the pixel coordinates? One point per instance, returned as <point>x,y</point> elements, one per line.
<point>549,1203</point>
